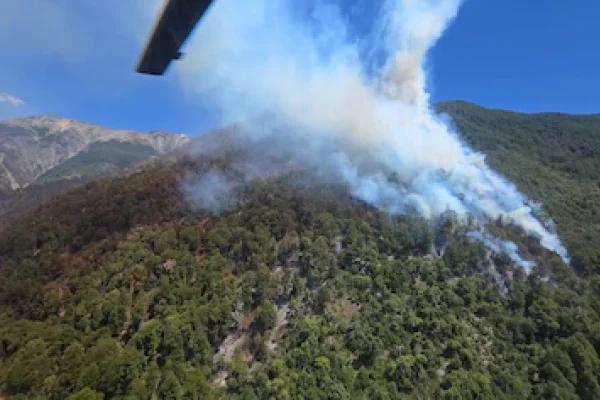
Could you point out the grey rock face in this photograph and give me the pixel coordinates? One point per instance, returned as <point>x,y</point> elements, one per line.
<point>29,147</point>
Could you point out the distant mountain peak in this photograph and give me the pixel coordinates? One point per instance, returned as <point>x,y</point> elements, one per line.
<point>32,146</point>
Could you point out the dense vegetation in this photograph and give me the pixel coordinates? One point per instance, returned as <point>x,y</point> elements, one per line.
<point>554,158</point>
<point>118,290</point>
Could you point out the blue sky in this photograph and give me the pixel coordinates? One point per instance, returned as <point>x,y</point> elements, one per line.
<point>526,55</point>
<point>78,61</point>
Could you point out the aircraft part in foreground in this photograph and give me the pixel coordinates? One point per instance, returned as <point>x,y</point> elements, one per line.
<point>174,26</point>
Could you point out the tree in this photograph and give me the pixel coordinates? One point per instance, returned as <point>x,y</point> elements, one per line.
<point>29,367</point>
<point>169,387</point>
<point>267,316</point>
<point>86,394</point>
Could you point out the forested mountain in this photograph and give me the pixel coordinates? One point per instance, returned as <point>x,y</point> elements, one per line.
<point>122,289</point>
<point>554,158</point>
<point>41,155</point>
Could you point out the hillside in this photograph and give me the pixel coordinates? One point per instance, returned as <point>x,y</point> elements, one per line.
<point>553,158</point>
<point>38,147</point>
<point>42,156</point>
<point>123,289</point>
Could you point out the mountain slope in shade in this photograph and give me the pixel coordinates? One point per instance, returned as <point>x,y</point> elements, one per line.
<point>31,147</point>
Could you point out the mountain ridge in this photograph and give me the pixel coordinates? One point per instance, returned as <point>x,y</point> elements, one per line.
<point>32,146</point>
<point>466,103</point>
<point>122,289</point>
<point>560,147</point>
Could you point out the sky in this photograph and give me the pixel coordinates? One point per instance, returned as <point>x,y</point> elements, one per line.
<point>76,60</point>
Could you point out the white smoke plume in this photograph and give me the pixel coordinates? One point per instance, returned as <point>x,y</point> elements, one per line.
<point>352,75</point>
<point>212,191</point>
<point>502,246</point>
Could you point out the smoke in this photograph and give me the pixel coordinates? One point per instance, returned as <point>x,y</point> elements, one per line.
<point>348,81</point>
<point>212,191</point>
<point>502,246</point>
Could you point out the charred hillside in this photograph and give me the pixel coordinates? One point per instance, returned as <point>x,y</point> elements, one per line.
<point>123,288</point>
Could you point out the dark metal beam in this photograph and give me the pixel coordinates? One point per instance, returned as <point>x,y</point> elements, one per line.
<point>174,26</point>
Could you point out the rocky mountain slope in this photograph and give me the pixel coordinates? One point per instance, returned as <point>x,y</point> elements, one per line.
<point>48,148</point>
<point>123,289</point>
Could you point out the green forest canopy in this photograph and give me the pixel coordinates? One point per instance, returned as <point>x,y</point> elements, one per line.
<point>117,290</point>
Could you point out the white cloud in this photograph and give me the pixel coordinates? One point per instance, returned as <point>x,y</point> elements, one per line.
<point>10,99</point>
